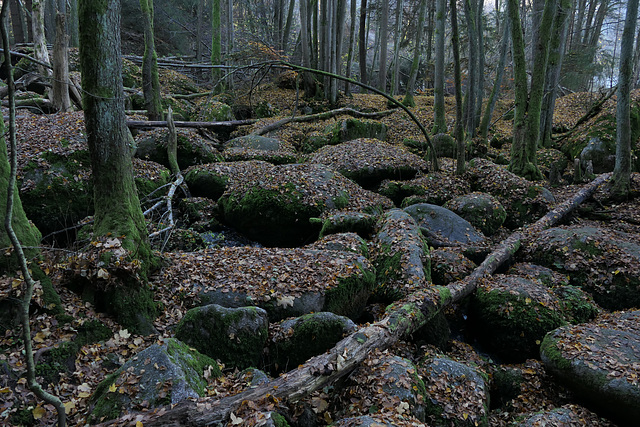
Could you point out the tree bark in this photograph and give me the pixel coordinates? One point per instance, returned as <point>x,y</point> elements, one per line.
<point>415,64</point>
<point>384,37</point>
<point>39,41</point>
<point>221,126</point>
<point>60,84</point>
<point>402,318</point>
<point>362,43</point>
<point>459,129</point>
<point>216,45</point>
<point>352,46</point>
<point>395,76</point>
<point>440,123</point>
<point>150,79</point>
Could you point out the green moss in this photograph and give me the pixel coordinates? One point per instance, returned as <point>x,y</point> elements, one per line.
<point>56,361</point>
<point>133,306</point>
<point>351,294</point>
<point>195,363</point>
<point>106,406</point>
<point>50,297</point>
<point>550,350</point>
<point>279,420</point>
<point>91,332</point>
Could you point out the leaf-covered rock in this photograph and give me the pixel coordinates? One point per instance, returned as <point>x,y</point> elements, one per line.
<point>435,188</point>
<point>442,227</point>
<point>192,149</point>
<point>346,130</point>
<point>482,210</point>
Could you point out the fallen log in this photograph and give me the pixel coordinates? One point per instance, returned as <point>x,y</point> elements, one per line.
<point>225,126</point>
<point>403,318</point>
<point>322,116</point>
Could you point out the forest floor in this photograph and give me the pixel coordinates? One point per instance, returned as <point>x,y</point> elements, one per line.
<point>96,361</point>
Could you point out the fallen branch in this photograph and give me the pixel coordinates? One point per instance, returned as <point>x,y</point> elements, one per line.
<point>322,116</point>
<point>226,125</point>
<point>403,318</point>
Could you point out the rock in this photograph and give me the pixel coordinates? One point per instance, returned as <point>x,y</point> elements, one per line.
<point>441,227</point>
<point>161,375</point>
<point>274,205</point>
<point>235,336</point>
<point>401,256</point>
<point>600,363</point>
<point>482,210</point>
<point>256,147</point>
<point>344,222</point>
<point>285,282</point>
<point>445,145</point>
<point>512,314</point>
<point>192,149</point>
<point>349,242</point>
<point>601,155</point>
<point>210,110</point>
<point>600,261</point>
<point>449,265</point>
<point>299,339</point>
<point>211,180</point>
<point>524,201</point>
<point>346,130</point>
<point>447,381</point>
<point>363,421</point>
<point>435,188</point>
<point>566,415</point>
<point>369,162</point>
<point>199,213</point>
<point>552,164</point>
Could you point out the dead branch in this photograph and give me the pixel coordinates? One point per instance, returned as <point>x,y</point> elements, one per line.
<point>403,318</point>
<point>220,126</point>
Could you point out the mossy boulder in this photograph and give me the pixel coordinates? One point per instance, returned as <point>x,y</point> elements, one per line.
<point>211,180</point>
<point>199,213</point>
<point>442,227</point>
<point>400,255</point>
<point>213,111</point>
<point>257,147</point>
<point>449,265</point>
<point>192,149</point>
<point>552,163</point>
<point>445,145</point>
<point>297,340</point>
<point>482,210</point>
<point>599,261</point>
<point>512,314</point>
<point>346,130</point>
<point>447,381</point>
<point>235,336</point>
<point>524,201</point>
<point>161,375</point>
<point>349,242</point>
<point>435,188</point>
<point>369,161</point>
<point>274,206</point>
<point>285,282</point>
<point>600,363</point>
<point>565,415</point>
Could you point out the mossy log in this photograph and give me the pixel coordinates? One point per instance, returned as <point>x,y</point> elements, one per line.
<point>402,318</point>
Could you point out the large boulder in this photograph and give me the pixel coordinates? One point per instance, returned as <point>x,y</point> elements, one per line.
<point>401,256</point>
<point>524,201</point>
<point>442,227</point>
<point>274,206</point>
<point>449,265</point>
<point>285,282</point>
<point>435,188</point>
<point>455,393</point>
<point>212,180</point>
<point>235,336</point>
<point>346,130</point>
<point>566,415</point>
<point>369,161</point>
<point>192,148</point>
<point>297,340</point>
<point>600,363</point>
<point>600,261</point>
<point>161,375</point>
<point>257,147</point>
<point>482,210</point>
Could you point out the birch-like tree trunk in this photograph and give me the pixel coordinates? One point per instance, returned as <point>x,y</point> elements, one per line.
<point>397,34</point>
<point>415,64</point>
<point>150,79</point>
<point>60,84</point>
<point>40,51</point>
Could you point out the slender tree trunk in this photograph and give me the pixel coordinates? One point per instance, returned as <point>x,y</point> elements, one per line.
<point>60,83</point>
<point>620,185</point>
<point>150,79</point>
<point>72,23</point>
<point>16,22</point>
<point>469,108</point>
<point>395,78</point>
<point>384,42</point>
<point>415,64</point>
<point>307,79</point>
<point>352,45</point>
<point>216,45</point>
<point>430,30</point>
<point>493,97</point>
<point>479,94</point>
<point>459,130</point>
<point>363,41</point>
<point>40,51</point>
<point>440,123</point>
<point>117,208</point>
<point>199,30</point>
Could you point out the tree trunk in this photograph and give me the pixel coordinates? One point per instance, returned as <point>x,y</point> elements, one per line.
<point>469,108</point>
<point>479,94</point>
<point>459,130</point>
<point>363,41</point>
<point>72,23</point>
<point>384,40</point>
<point>150,79</point>
<point>40,51</point>
<point>199,30</point>
<point>620,185</point>
<point>352,45</point>
<point>402,319</point>
<point>308,84</point>
<point>440,123</point>
<point>117,208</point>
<point>415,64</point>
<point>61,100</point>
<point>493,97</point>
<point>395,77</point>
<point>287,26</point>
<point>16,22</point>
<point>216,45</point>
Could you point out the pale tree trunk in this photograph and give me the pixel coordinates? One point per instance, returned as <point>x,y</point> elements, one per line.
<point>481,63</point>
<point>40,51</point>
<point>150,79</point>
<point>493,97</point>
<point>395,78</point>
<point>352,45</point>
<point>469,108</point>
<point>287,26</point>
<point>557,46</point>
<point>384,38</point>
<point>415,64</point>
<point>60,84</point>
<point>305,18</point>
<point>440,123</point>
<point>117,207</point>
<point>459,129</point>
<point>363,41</point>
<point>620,185</point>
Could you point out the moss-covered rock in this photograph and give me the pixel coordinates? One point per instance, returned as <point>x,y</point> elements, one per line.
<point>369,162</point>
<point>161,375</point>
<point>600,261</point>
<point>445,145</point>
<point>256,147</point>
<point>235,336</point>
<point>297,340</point>
<point>192,149</point>
<point>442,227</point>
<point>482,210</point>
<point>213,111</point>
<point>435,188</point>
<point>449,265</point>
<point>524,201</point>
<point>345,222</point>
<point>600,363</point>
<point>512,314</point>
<point>349,242</point>
<point>401,256</point>
<point>346,130</point>
<point>211,180</point>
